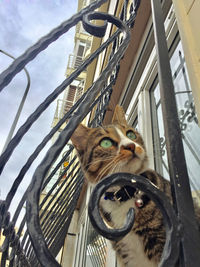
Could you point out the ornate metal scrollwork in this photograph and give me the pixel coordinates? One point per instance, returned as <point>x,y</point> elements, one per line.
<point>171,249</point>
<point>96,30</point>
<point>12,239</point>
<point>32,210</point>
<point>162,146</point>
<point>187,115</point>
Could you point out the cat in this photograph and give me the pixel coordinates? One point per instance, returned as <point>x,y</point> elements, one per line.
<point>120,148</point>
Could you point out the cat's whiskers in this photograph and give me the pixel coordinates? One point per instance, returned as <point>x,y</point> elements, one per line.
<point>117,167</point>
<point>104,170</point>
<point>112,164</point>
<point>121,158</point>
<point>99,160</point>
<point>106,166</point>
<point>113,170</point>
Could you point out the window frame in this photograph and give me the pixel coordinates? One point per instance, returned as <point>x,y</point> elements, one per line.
<point>140,104</point>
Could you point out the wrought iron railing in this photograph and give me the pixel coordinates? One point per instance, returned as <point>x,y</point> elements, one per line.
<point>41,233</point>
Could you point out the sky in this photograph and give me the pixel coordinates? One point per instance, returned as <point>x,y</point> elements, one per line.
<point>23,23</point>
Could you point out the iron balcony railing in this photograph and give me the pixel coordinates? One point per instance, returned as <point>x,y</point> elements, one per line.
<point>40,235</point>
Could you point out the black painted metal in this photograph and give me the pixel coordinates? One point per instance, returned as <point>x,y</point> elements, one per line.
<point>41,233</point>
<point>15,121</point>
<point>190,245</point>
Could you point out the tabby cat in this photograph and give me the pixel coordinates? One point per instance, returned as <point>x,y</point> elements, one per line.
<point>119,148</point>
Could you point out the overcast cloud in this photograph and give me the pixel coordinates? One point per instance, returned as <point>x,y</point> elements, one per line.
<point>22,23</point>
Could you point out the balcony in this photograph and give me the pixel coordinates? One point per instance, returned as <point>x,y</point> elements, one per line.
<point>75,62</point>
<point>73,93</point>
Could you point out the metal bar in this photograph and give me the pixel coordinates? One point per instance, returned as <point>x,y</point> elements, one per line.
<point>92,250</point>
<point>94,254</point>
<point>85,239</point>
<point>46,198</point>
<point>58,191</point>
<point>93,246</point>
<point>182,62</point>
<point>25,242</point>
<point>60,236</point>
<point>92,258</point>
<point>78,247</point>
<point>57,168</point>
<point>177,165</point>
<point>56,206</point>
<point>102,242</point>
<point>19,110</point>
<point>101,255</point>
<point>4,258</point>
<point>66,210</point>
<point>30,251</point>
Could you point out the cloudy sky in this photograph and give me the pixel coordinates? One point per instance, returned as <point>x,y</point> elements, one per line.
<point>22,23</point>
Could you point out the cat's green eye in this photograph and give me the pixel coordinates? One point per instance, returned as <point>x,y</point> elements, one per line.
<point>106,143</point>
<point>130,134</point>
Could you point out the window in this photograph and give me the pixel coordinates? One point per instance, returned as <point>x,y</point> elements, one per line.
<point>142,99</point>
<point>188,121</point>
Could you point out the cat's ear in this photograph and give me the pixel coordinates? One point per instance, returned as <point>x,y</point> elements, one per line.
<point>80,137</point>
<point>119,116</point>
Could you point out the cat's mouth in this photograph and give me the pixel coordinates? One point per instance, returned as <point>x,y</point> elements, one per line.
<point>131,160</point>
<point>133,156</point>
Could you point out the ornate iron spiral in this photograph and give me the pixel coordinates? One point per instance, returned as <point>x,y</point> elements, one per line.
<point>171,248</point>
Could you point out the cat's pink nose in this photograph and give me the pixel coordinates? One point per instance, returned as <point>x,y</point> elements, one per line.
<point>130,147</point>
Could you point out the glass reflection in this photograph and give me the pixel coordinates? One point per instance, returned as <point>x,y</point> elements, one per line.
<point>187,117</point>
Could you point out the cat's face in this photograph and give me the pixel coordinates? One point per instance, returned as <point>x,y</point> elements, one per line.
<point>106,150</point>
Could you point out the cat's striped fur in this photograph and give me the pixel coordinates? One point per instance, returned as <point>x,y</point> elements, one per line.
<point>143,246</point>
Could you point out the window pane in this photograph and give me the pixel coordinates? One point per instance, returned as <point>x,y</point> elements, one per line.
<point>187,117</point>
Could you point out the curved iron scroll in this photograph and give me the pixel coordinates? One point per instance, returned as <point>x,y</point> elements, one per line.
<point>171,248</point>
